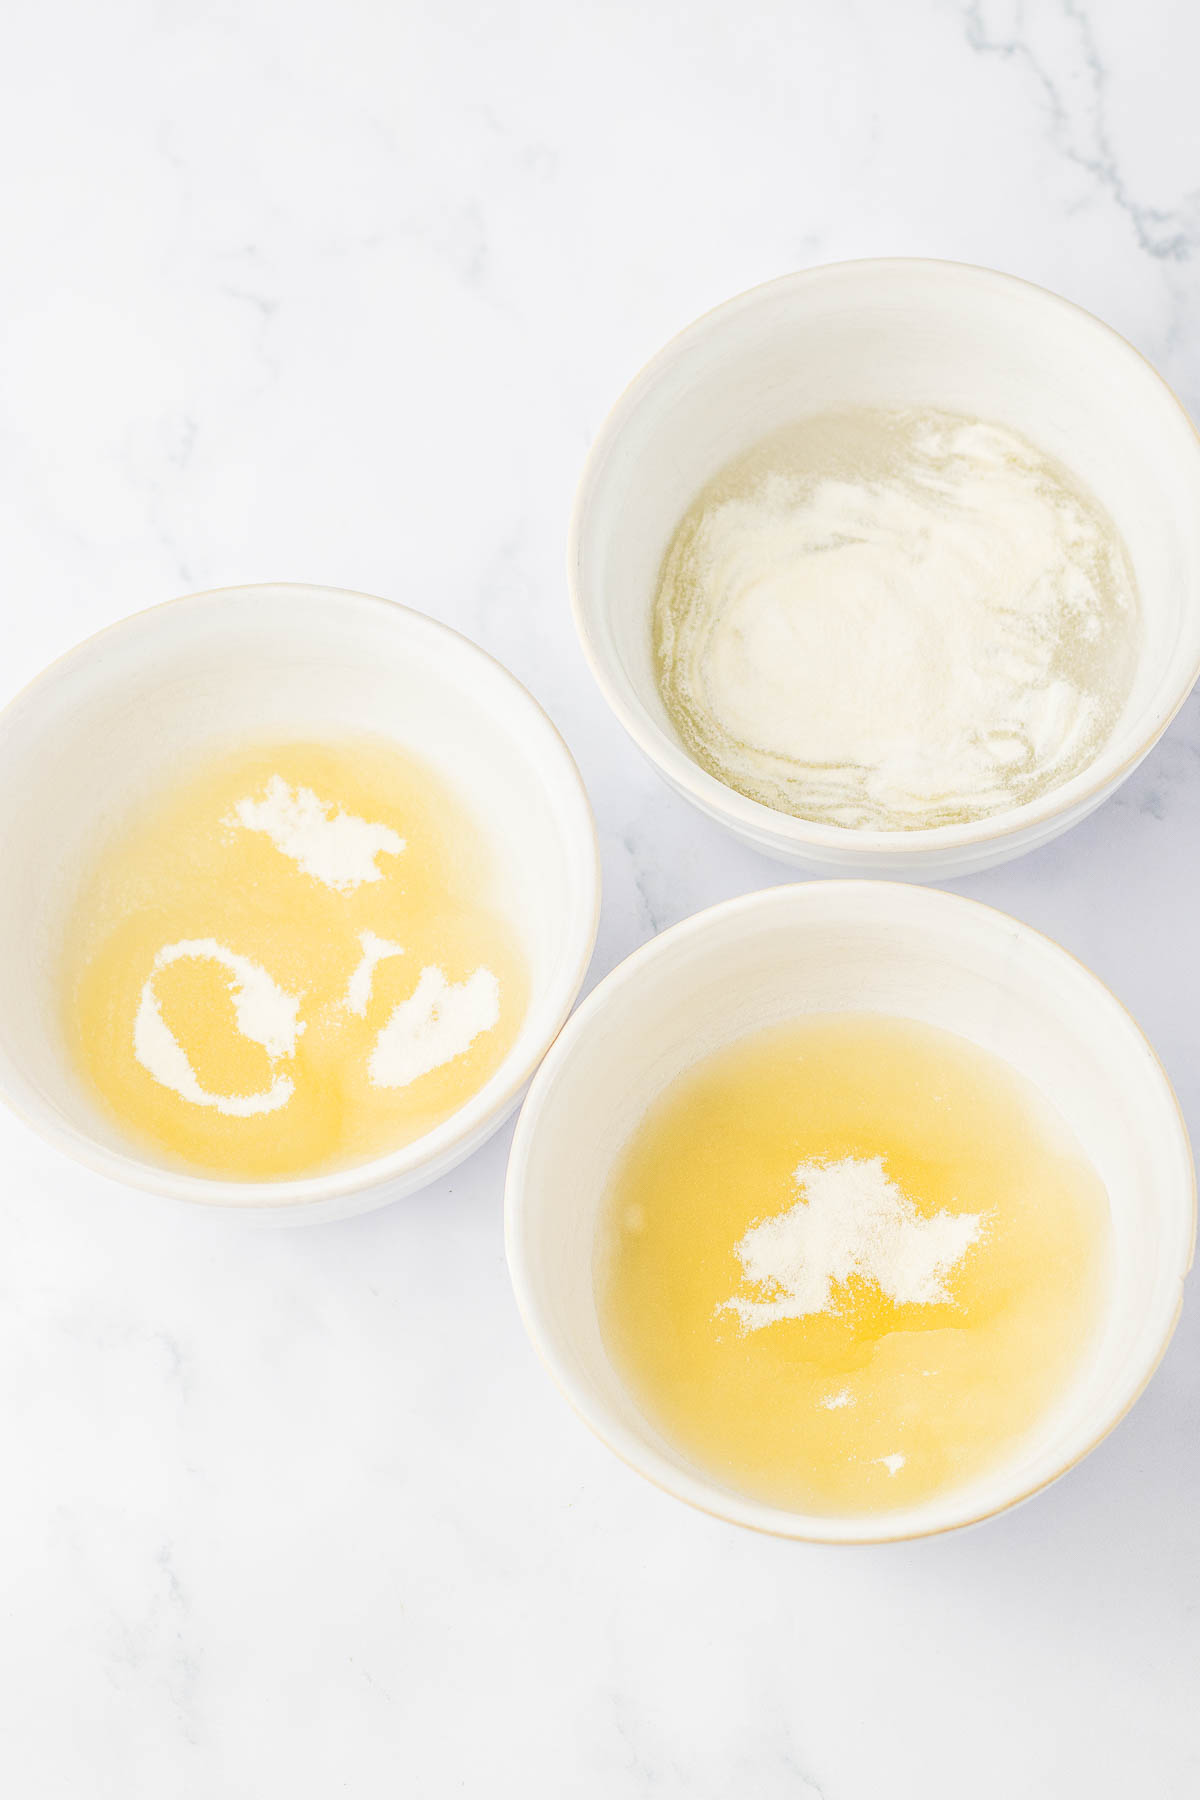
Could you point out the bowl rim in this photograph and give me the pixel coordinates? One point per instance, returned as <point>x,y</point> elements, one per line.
<point>705,1494</point>
<point>752,818</point>
<point>465,1129</point>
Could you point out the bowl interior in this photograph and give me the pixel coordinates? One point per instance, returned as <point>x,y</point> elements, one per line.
<point>873,947</point>
<point>891,334</point>
<point>114,719</point>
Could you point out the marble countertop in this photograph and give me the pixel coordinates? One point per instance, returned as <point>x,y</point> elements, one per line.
<point>339,293</point>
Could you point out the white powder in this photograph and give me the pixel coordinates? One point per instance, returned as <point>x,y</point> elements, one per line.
<point>333,846</point>
<point>893,1463</point>
<point>264,1013</point>
<point>895,621</point>
<point>853,1220</point>
<point>843,1397</point>
<point>439,1021</point>
<point>374,951</point>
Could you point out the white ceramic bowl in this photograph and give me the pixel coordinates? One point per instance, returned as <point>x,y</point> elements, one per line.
<point>110,721</point>
<point>893,334</point>
<point>858,947</point>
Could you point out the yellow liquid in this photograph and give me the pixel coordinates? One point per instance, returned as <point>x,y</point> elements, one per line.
<point>188,872</point>
<point>868,1404</point>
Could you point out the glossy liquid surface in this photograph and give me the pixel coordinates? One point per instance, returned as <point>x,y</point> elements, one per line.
<point>324,996</point>
<point>870,1403</point>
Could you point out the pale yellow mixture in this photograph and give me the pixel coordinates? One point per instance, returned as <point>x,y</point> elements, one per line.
<point>847,1262</point>
<point>292,962</point>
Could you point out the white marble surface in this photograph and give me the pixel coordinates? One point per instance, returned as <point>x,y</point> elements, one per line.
<point>339,292</point>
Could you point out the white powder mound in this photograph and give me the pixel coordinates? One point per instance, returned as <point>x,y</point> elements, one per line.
<point>332,846</point>
<point>439,1021</point>
<point>853,1220</point>
<point>374,951</point>
<point>264,1013</point>
<point>893,1463</point>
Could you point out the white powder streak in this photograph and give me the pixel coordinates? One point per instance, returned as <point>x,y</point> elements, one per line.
<point>333,846</point>
<point>832,1402</point>
<point>374,951</point>
<point>439,1020</point>
<point>852,1220</point>
<point>264,1013</point>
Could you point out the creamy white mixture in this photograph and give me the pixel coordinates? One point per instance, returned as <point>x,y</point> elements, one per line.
<point>894,621</point>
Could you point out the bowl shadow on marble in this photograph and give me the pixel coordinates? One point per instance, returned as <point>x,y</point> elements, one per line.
<point>1130,1506</point>
<point>1115,1543</point>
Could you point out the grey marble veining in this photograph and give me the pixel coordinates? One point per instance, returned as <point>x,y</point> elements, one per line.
<point>340,294</point>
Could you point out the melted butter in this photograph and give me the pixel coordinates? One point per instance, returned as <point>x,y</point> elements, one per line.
<point>407,982</point>
<point>868,1403</point>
